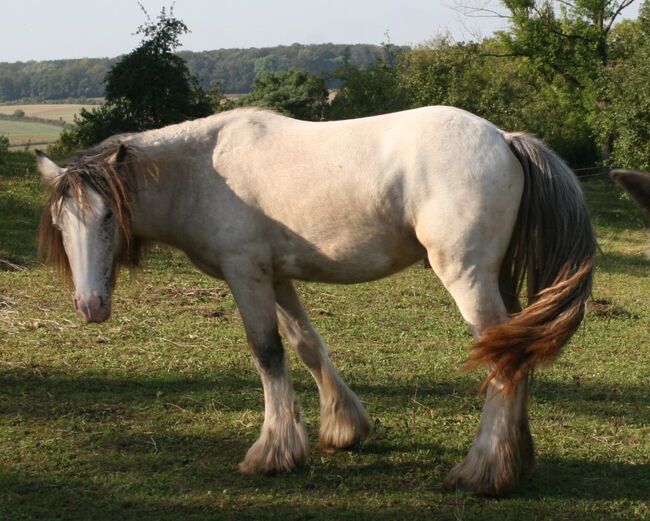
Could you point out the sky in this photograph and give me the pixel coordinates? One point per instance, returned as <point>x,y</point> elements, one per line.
<point>57,29</point>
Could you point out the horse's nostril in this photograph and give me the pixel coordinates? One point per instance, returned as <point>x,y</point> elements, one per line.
<point>101,301</point>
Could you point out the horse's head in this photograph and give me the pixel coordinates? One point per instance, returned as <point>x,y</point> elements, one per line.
<point>86,227</point>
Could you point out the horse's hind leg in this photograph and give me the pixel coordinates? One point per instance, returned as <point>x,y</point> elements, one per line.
<point>282,445</point>
<point>344,421</point>
<point>502,450</point>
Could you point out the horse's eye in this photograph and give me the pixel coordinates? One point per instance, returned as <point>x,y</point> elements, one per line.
<point>108,216</point>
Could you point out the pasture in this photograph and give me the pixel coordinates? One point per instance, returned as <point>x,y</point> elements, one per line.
<point>22,132</point>
<point>147,415</point>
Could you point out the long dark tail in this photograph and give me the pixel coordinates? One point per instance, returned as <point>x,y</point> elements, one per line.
<point>552,248</point>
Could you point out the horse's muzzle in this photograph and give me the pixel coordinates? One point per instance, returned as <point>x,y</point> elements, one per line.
<point>93,308</point>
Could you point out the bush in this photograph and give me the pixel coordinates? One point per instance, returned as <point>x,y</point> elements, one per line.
<point>294,93</point>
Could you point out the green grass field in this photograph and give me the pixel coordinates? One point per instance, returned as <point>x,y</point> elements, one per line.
<point>21,132</point>
<point>146,416</point>
<point>36,133</point>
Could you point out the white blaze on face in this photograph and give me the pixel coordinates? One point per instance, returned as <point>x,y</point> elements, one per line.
<point>89,238</point>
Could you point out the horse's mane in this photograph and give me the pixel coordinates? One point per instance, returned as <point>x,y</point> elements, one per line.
<point>112,170</point>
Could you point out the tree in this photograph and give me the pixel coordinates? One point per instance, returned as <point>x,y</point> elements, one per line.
<point>367,92</point>
<point>371,91</point>
<point>294,93</point>
<point>149,88</point>
<point>627,116</point>
<point>217,98</point>
<point>151,85</point>
<point>569,40</point>
<point>482,79</point>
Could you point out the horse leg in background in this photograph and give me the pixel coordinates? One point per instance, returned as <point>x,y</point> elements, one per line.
<point>344,421</point>
<point>282,445</point>
<point>502,450</point>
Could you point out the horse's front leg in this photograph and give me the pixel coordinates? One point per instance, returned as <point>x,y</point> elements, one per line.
<point>344,420</point>
<point>282,445</point>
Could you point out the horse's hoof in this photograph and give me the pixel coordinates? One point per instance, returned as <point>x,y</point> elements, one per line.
<point>280,448</point>
<point>492,474</point>
<point>344,424</point>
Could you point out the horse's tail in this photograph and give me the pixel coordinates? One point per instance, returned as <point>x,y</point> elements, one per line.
<point>553,247</point>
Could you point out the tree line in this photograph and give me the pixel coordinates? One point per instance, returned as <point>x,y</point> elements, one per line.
<point>234,69</point>
<point>571,72</point>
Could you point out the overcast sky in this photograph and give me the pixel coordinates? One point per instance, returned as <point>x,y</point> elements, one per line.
<point>54,29</point>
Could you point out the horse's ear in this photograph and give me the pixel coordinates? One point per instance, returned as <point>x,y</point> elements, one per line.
<point>48,169</point>
<point>120,155</point>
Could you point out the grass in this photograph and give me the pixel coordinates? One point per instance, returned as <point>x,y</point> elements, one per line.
<point>146,416</point>
<point>37,133</point>
<point>22,132</point>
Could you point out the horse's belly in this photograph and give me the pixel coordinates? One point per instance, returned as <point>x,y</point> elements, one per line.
<point>347,261</point>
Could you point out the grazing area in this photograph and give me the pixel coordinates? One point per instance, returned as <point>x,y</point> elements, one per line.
<point>38,124</point>
<point>147,415</point>
<point>20,133</point>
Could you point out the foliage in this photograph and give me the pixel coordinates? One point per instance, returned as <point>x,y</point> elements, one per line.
<point>4,143</point>
<point>217,98</point>
<point>570,41</point>
<point>367,92</point>
<point>91,127</point>
<point>295,93</point>
<point>235,69</point>
<point>151,86</point>
<point>478,77</point>
<point>627,117</point>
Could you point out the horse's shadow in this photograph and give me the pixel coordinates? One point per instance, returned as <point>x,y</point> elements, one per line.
<point>211,458</point>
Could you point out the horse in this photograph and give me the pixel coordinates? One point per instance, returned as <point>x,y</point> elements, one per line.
<point>637,184</point>
<point>259,200</point>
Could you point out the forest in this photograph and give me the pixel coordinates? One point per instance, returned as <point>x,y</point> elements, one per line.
<point>234,69</point>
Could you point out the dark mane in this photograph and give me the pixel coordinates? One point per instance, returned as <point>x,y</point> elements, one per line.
<point>112,170</point>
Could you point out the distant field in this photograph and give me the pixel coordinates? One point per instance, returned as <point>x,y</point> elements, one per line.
<point>22,132</point>
<point>63,111</point>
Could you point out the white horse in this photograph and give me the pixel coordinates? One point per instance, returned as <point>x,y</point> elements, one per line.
<point>259,199</point>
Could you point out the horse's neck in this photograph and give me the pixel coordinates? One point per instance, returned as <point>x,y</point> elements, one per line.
<point>162,199</point>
